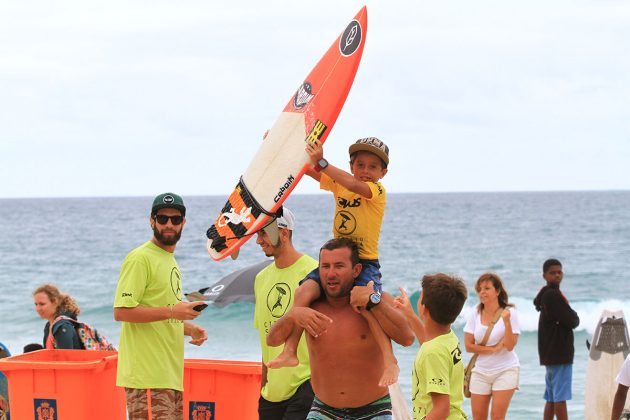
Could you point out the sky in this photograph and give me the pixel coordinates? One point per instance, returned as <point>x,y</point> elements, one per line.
<point>122,98</point>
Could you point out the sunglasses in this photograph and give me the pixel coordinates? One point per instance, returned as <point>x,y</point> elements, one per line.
<point>163,219</point>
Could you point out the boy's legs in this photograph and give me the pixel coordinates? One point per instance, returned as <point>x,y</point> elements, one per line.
<point>391,369</point>
<point>371,272</point>
<point>558,380</point>
<point>305,294</point>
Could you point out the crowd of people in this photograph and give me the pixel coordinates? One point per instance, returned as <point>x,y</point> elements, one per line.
<point>326,342</point>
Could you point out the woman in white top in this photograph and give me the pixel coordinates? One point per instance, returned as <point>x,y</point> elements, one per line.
<point>496,373</point>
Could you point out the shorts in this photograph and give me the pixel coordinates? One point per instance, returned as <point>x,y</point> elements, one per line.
<point>165,404</point>
<point>485,383</point>
<point>371,271</point>
<point>295,408</point>
<point>558,382</point>
<point>380,409</point>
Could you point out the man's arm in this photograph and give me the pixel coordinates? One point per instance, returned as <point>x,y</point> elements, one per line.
<point>392,320</point>
<point>313,322</point>
<point>263,381</point>
<point>619,402</point>
<point>141,314</point>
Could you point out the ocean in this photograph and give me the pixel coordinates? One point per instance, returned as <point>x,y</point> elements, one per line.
<point>79,244</point>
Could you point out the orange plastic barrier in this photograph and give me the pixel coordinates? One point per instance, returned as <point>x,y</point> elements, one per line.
<point>81,384</point>
<point>221,389</point>
<point>64,385</point>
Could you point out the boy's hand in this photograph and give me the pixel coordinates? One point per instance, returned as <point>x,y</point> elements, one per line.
<point>315,151</point>
<point>315,323</point>
<point>403,303</point>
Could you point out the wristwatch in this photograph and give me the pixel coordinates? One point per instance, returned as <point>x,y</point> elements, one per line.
<point>375,299</point>
<point>321,165</point>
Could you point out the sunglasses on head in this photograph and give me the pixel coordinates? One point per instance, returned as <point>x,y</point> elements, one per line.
<point>163,219</point>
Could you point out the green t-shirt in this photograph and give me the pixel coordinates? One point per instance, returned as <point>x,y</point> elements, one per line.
<point>275,291</point>
<point>438,368</point>
<point>151,354</point>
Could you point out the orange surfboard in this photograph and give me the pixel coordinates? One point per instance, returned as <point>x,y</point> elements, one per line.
<point>281,160</point>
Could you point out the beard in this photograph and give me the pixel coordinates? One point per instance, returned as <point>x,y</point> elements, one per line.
<point>166,240</point>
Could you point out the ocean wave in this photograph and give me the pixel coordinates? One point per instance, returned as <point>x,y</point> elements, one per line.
<point>588,311</point>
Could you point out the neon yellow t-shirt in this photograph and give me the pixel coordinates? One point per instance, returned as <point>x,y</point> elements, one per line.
<point>151,354</point>
<point>275,290</point>
<point>357,217</point>
<point>438,368</point>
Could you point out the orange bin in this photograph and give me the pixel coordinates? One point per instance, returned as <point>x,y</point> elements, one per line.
<point>64,385</point>
<point>81,384</point>
<point>221,389</point>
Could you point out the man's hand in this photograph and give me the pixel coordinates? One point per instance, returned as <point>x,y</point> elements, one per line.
<point>199,335</point>
<point>360,296</point>
<point>315,323</point>
<point>184,310</point>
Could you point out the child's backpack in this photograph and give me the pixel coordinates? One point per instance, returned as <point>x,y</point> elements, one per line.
<point>88,336</point>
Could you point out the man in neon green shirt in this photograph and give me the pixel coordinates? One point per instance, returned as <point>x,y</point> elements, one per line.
<point>286,394</point>
<point>149,303</point>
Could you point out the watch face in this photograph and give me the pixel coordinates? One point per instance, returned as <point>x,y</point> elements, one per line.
<point>322,163</point>
<point>375,298</point>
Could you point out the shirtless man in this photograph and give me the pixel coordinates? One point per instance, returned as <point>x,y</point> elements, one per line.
<point>346,362</point>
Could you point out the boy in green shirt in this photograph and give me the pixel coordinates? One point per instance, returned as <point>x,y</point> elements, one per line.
<point>438,371</point>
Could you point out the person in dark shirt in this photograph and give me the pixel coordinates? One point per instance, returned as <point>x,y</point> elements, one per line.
<point>51,304</point>
<point>555,341</point>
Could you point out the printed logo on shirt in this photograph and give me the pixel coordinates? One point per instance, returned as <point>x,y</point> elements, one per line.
<point>437,381</point>
<point>457,355</point>
<point>279,299</point>
<point>176,283</point>
<point>345,223</point>
<point>343,203</point>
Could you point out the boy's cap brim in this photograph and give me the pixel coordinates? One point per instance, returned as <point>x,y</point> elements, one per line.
<point>372,145</point>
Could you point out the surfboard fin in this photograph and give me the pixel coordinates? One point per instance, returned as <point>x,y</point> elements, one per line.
<point>234,255</point>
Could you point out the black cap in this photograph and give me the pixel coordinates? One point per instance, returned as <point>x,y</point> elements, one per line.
<point>168,201</point>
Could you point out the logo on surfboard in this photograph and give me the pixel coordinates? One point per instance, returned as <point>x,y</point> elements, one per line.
<point>303,95</point>
<point>284,188</point>
<point>350,39</point>
<point>316,132</point>
<point>235,218</point>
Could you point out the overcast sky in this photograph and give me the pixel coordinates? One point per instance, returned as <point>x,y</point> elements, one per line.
<point>138,97</point>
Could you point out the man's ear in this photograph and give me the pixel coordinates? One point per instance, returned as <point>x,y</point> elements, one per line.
<point>356,270</point>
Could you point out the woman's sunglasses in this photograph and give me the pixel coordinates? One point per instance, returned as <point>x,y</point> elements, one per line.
<point>163,219</point>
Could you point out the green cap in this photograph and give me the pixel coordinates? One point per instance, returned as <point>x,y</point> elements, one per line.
<point>168,201</point>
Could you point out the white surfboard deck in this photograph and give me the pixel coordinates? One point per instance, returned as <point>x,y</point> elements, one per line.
<point>609,348</point>
<point>399,405</point>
